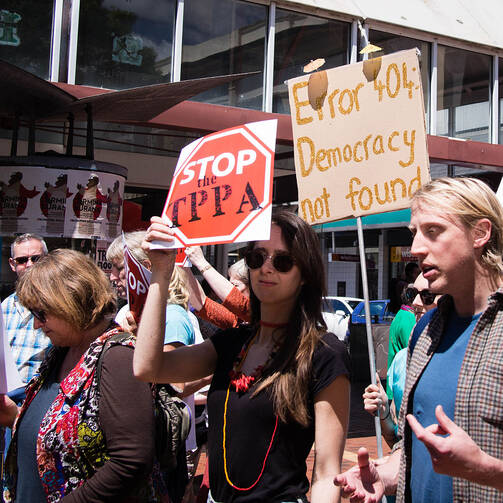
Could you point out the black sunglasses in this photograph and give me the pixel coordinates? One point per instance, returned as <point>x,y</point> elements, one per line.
<point>24,260</point>
<point>281,261</point>
<point>427,297</point>
<point>40,314</point>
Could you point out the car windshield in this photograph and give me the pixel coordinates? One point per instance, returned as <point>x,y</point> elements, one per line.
<point>376,308</point>
<point>353,303</point>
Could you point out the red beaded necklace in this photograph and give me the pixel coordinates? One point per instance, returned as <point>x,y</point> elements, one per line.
<point>241,383</point>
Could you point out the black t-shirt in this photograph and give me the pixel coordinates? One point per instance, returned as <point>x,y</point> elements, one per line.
<point>250,423</point>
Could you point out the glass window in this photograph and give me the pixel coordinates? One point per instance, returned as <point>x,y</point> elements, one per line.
<point>390,42</point>
<point>124,44</point>
<point>299,39</point>
<point>25,34</point>
<point>127,138</point>
<point>463,94</point>
<point>221,37</point>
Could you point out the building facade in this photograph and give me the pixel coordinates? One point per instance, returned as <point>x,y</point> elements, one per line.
<point>121,44</point>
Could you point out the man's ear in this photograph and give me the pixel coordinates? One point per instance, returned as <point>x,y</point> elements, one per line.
<point>12,264</point>
<point>481,232</point>
<point>146,263</point>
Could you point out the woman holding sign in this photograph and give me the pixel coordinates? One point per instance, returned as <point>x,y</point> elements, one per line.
<point>279,383</point>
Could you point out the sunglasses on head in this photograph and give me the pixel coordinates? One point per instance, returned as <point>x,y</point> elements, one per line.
<point>281,261</point>
<point>40,314</point>
<point>427,297</point>
<point>24,260</point>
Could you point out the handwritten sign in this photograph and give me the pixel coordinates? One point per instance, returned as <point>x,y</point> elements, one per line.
<point>222,187</point>
<point>138,281</point>
<point>359,137</point>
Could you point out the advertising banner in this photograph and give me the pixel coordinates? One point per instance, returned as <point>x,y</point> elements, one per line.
<point>55,202</point>
<point>359,137</point>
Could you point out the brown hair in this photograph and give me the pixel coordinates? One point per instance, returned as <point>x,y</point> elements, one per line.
<point>289,374</point>
<point>69,285</point>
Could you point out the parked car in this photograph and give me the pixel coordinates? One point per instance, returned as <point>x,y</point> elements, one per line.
<point>343,304</point>
<point>336,313</point>
<point>379,312</point>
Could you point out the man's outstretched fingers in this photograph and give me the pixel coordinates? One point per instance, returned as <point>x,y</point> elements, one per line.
<point>443,420</point>
<point>363,457</point>
<point>429,439</point>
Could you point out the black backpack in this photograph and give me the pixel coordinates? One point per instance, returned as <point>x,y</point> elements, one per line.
<point>172,414</point>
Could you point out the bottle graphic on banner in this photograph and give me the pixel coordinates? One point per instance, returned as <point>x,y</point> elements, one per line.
<point>87,206</point>
<point>53,205</point>
<point>114,205</point>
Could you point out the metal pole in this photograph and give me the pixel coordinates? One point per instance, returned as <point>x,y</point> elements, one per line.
<point>370,341</point>
<point>15,134</point>
<point>69,139</point>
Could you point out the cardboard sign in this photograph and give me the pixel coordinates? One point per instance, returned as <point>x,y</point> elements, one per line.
<point>359,137</point>
<point>138,281</point>
<point>222,187</point>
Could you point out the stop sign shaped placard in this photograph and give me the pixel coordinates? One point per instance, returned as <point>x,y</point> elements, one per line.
<point>222,186</point>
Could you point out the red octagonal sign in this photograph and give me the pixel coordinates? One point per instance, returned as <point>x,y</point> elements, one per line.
<point>222,184</point>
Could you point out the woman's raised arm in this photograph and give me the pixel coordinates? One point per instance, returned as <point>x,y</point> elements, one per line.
<point>150,363</point>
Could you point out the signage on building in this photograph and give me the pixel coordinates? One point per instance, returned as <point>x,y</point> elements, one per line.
<point>401,254</point>
<point>222,186</point>
<point>101,256</point>
<point>359,137</point>
<point>343,257</point>
<point>8,28</point>
<point>56,202</point>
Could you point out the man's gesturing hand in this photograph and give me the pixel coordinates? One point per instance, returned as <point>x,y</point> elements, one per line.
<point>362,482</point>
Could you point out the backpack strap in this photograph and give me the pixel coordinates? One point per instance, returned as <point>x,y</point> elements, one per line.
<point>419,328</point>
<point>119,337</point>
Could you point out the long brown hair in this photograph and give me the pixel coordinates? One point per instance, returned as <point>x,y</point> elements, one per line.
<point>289,374</point>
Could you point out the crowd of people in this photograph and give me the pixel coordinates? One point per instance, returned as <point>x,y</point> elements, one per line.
<point>261,374</point>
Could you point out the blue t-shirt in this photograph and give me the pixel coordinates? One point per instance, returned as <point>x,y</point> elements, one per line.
<point>438,385</point>
<point>178,326</point>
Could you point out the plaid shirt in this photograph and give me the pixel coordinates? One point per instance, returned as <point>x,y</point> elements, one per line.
<point>28,345</point>
<point>479,403</point>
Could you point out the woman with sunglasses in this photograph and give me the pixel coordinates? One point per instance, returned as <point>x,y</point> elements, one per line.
<point>375,397</point>
<point>76,437</point>
<point>278,384</point>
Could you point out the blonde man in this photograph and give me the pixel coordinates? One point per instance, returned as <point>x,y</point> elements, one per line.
<point>451,419</point>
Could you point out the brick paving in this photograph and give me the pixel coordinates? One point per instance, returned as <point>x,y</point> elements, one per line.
<point>361,433</point>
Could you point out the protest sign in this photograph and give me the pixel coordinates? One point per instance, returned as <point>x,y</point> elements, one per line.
<point>9,375</point>
<point>138,281</point>
<point>222,187</point>
<point>359,137</point>
<point>181,259</point>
